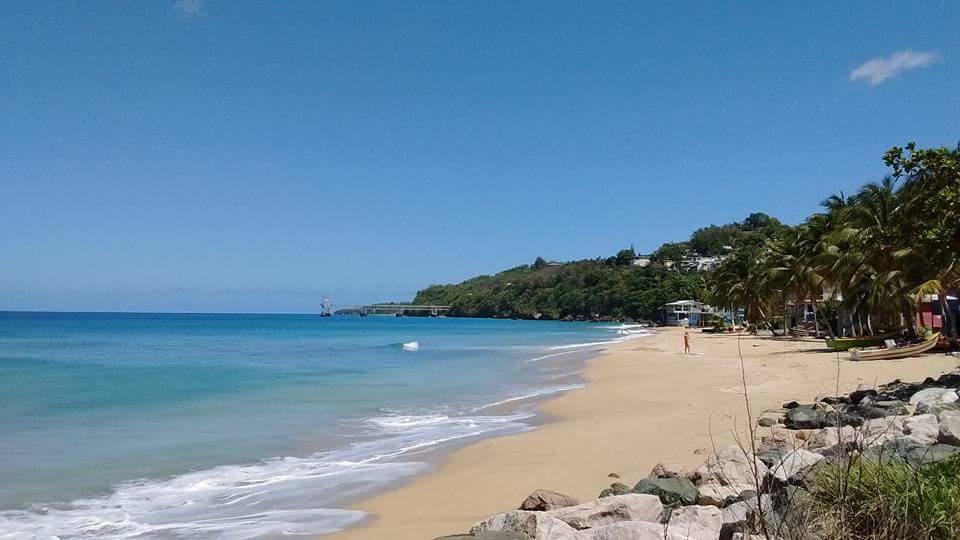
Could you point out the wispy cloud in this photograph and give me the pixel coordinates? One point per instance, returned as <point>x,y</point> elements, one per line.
<point>881,68</point>
<point>188,9</point>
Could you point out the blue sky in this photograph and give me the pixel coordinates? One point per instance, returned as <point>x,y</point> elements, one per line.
<point>221,156</point>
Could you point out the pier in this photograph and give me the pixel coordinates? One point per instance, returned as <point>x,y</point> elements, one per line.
<point>403,309</point>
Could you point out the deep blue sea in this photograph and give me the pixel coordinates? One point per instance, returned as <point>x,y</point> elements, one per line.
<point>251,426</point>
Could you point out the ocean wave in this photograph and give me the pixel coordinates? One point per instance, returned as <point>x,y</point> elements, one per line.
<point>276,497</point>
<point>544,392</point>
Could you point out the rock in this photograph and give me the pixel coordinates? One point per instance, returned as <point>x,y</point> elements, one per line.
<point>861,392</point>
<point>616,488</point>
<point>630,507</point>
<point>487,535</point>
<point>791,405</point>
<point>717,495</point>
<point>544,499</point>
<point>671,491</point>
<point>667,469</point>
<point>794,464</point>
<point>731,465</point>
<point>881,430</point>
<point>743,516</point>
<point>925,455</point>
<point>937,408</point>
<point>630,530</point>
<point>696,522</point>
<point>535,525</point>
<point>934,395</point>
<point>829,438</point>
<point>766,421</point>
<point>951,379</point>
<point>922,429</point>
<point>613,475</point>
<point>948,431</point>
<point>803,418</point>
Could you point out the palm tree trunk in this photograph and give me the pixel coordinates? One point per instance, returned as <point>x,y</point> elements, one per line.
<point>816,322</point>
<point>946,317</point>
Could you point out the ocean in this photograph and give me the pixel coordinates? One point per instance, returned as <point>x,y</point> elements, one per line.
<point>252,426</point>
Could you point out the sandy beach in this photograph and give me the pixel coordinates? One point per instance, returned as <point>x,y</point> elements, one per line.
<point>645,402</point>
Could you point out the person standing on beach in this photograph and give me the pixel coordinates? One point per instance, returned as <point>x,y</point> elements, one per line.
<point>686,341</point>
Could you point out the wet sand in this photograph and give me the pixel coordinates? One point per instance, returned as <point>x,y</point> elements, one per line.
<point>646,402</point>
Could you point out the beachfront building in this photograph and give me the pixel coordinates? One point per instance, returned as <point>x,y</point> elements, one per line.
<point>687,313</point>
<point>930,311</point>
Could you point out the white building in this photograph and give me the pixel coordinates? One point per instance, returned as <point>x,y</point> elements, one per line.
<point>641,260</point>
<point>686,313</point>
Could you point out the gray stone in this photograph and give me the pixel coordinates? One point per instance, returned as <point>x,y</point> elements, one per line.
<point>949,428</point>
<point>922,429</point>
<point>803,418</point>
<point>731,465</point>
<point>671,491</point>
<point>937,408</point>
<point>934,395</point>
<point>696,522</point>
<point>744,516</point>
<point>631,507</point>
<point>535,525</point>
<point>794,464</point>
<point>545,499</point>
<point>630,530</point>
<point>766,421</point>
<point>831,437</point>
<point>717,495</point>
<point>487,535</point>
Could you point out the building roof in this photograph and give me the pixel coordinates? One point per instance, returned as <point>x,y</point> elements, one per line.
<point>678,302</point>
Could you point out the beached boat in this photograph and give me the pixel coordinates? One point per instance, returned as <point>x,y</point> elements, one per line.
<point>893,353</point>
<point>846,343</point>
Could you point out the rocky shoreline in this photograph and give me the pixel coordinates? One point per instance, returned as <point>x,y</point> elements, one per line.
<point>758,490</point>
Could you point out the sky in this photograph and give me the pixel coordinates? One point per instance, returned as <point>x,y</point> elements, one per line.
<point>213,155</point>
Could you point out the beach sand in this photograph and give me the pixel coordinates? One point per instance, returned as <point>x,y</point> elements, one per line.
<point>646,402</point>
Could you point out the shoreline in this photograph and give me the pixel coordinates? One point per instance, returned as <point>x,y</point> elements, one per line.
<point>645,402</point>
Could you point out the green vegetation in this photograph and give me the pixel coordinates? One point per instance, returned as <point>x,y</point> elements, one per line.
<point>878,251</point>
<point>888,499</point>
<point>610,287</point>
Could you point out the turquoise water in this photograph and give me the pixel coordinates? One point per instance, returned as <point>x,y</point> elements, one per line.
<point>250,426</point>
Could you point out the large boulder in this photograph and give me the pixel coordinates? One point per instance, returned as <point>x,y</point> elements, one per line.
<point>948,431</point>
<point>545,499</point>
<point>929,396</point>
<point>535,525</point>
<point>630,530</point>
<point>487,535</point>
<point>671,491</point>
<point>696,522</point>
<point>878,431</point>
<point>731,465</point>
<point>631,507</point>
<point>830,437</point>
<point>937,408</point>
<point>803,418</point>
<point>745,516</point>
<point>922,429</point>
<point>792,467</point>
<point>718,495</point>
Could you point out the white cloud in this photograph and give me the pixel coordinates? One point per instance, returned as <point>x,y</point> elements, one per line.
<point>881,68</point>
<point>188,9</point>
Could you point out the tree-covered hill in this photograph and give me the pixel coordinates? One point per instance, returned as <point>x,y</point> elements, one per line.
<point>598,287</point>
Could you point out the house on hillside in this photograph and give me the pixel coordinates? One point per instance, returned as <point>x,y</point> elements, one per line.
<point>687,313</point>
<point>641,260</point>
